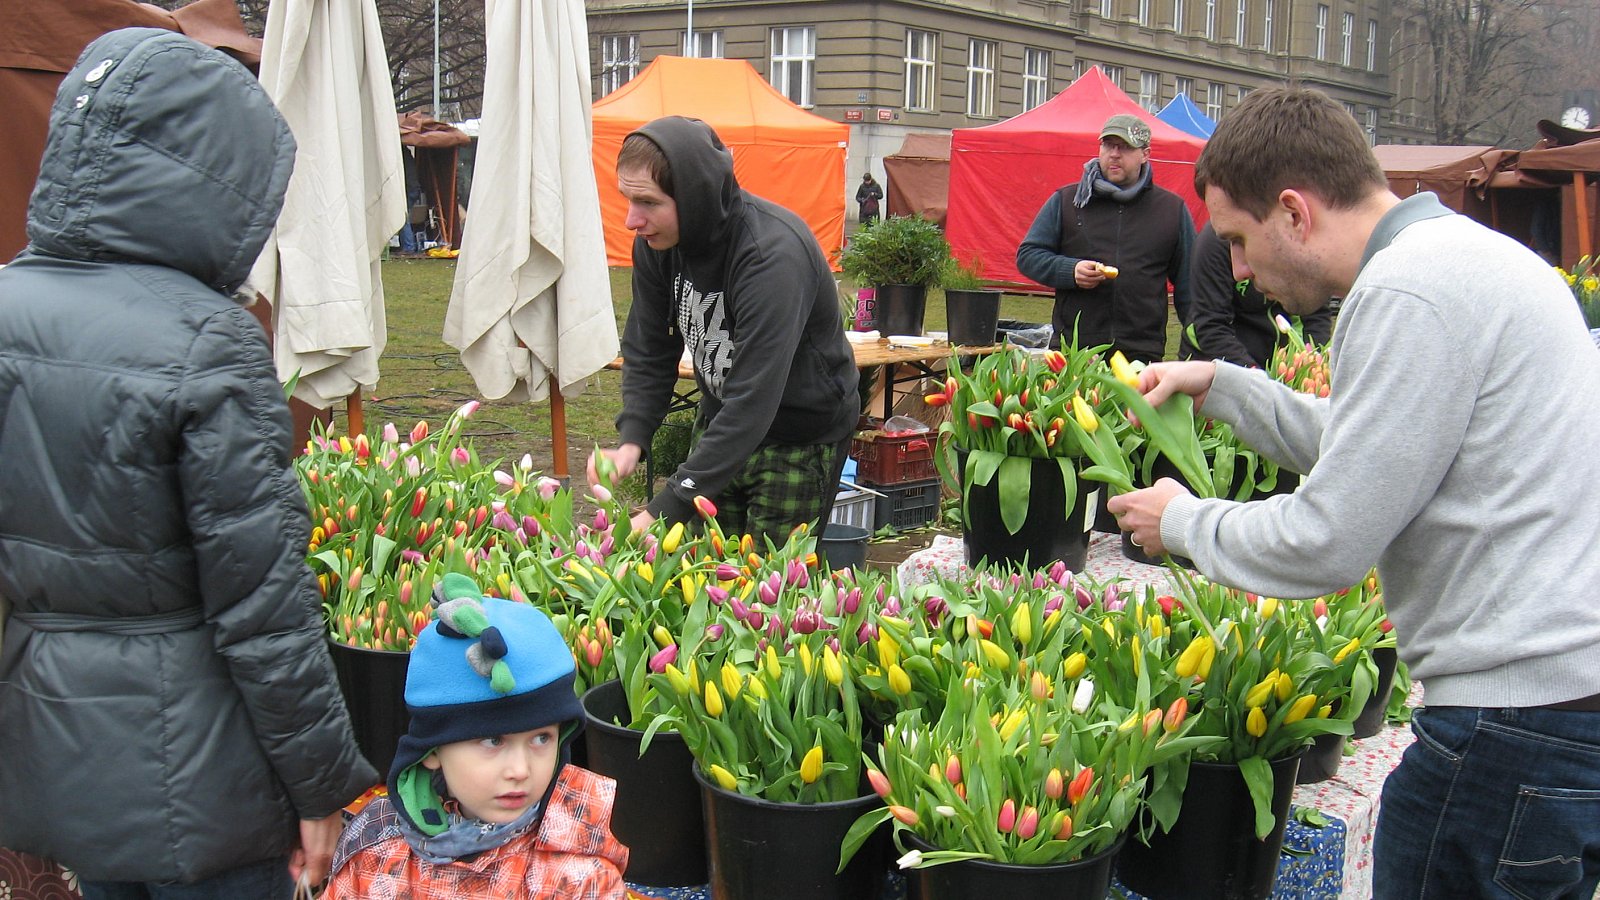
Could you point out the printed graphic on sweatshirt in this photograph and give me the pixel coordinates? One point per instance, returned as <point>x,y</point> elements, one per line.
<point>702,320</point>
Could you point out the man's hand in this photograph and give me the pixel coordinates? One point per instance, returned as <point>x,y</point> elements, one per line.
<point>1087,274</point>
<point>642,520</point>
<point>1159,381</point>
<point>1139,513</point>
<point>625,458</point>
<point>314,856</point>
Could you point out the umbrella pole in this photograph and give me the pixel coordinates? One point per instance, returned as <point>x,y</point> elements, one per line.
<point>558,432</point>
<point>1580,197</point>
<point>354,420</point>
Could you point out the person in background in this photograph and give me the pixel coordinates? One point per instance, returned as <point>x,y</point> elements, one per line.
<point>483,798</point>
<point>1109,245</point>
<point>170,723</point>
<point>1450,454</point>
<point>1230,318</point>
<point>867,197</point>
<point>742,284</point>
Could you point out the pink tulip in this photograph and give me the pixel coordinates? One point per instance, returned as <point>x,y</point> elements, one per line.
<point>419,432</point>
<point>607,545</point>
<point>1039,581</point>
<point>601,520</point>
<point>600,492</point>
<point>765,594</point>
<point>852,601</point>
<point>650,554</point>
<point>530,525</point>
<point>412,556</point>
<point>391,434</point>
<point>739,610</point>
<point>714,631</point>
<point>468,408</point>
<point>726,572</point>
<point>504,522</point>
<point>756,619</point>
<point>1008,817</point>
<point>413,466</point>
<point>1082,595</point>
<point>1058,571</point>
<point>1028,824</point>
<point>867,633</point>
<point>805,622</point>
<point>460,456</point>
<point>504,479</point>
<point>547,487</point>
<point>663,658</point>
<point>718,595</point>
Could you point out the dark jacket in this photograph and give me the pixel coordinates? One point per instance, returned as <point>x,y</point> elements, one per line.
<point>748,291</point>
<point>1147,238</point>
<point>1231,319</point>
<point>168,709</point>
<point>868,195</point>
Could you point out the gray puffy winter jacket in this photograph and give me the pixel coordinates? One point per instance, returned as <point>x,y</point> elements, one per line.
<point>168,710</point>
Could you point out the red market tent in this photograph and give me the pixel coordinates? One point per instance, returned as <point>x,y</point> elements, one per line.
<point>780,151</point>
<point>1001,174</point>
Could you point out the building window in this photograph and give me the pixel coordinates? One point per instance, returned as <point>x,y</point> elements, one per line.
<point>1372,126</point>
<point>1347,26</point>
<point>1320,49</point>
<point>1082,67</point>
<point>1108,8</point>
<point>980,78</point>
<point>1150,90</point>
<point>1035,77</point>
<point>619,60</point>
<point>1372,45</point>
<point>920,64</point>
<point>794,59</point>
<point>1186,86</point>
<point>1144,13</point>
<point>1214,102</point>
<point>1349,108</point>
<point>1266,25</point>
<point>1241,27</point>
<point>706,45</point>
<point>1211,20</point>
<point>1244,92</point>
<point>1180,19</point>
<point>1113,74</point>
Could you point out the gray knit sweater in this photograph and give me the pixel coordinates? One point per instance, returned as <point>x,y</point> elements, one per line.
<point>1459,451</point>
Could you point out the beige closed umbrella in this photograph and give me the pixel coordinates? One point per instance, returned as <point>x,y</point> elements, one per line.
<point>323,63</point>
<point>531,309</point>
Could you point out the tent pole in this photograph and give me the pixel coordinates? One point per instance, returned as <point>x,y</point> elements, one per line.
<point>355,421</point>
<point>558,432</point>
<point>1580,198</point>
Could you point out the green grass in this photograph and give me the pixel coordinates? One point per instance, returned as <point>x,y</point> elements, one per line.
<point>420,377</point>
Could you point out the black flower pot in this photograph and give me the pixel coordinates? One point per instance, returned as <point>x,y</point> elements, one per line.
<point>899,308</point>
<point>374,686</point>
<point>1161,468</point>
<point>1212,850</point>
<point>1373,715</point>
<point>1322,759</point>
<point>760,850</point>
<point>972,316</point>
<point>657,813</point>
<point>1083,879</point>
<point>1048,533</point>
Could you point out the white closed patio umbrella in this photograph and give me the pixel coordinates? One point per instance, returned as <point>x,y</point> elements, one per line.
<point>323,63</point>
<point>531,309</point>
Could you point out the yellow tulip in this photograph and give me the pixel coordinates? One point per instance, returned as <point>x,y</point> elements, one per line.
<point>1012,723</point>
<point>811,765</point>
<point>1256,722</point>
<point>678,681</point>
<point>1346,650</point>
<point>647,572</point>
<point>888,650</point>
<point>1189,659</point>
<point>732,681</point>
<point>994,654</point>
<point>1084,413</point>
<point>1300,708</point>
<point>1262,692</point>
<point>1075,665</point>
<point>1123,370</point>
<point>771,662</point>
<point>673,538</point>
<point>1269,605</point>
<point>1022,623</point>
<point>831,669</point>
<point>724,778</point>
<point>713,700</point>
<point>662,636</point>
<point>899,681</point>
<point>1283,688</point>
<point>805,659</point>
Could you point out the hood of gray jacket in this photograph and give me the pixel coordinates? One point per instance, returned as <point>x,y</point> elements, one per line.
<point>161,163</point>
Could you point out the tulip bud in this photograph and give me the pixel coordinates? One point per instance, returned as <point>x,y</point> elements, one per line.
<point>908,816</point>
<point>724,778</point>
<point>663,658</point>
<point>713,701</point>
<point>705,507</point>
<point>879,782</point>
<point>1176,713</point>
<point>1300,708</point>
<point>676,678</point>
<point>1256,722</point>
<point>1007,820</point>
<point>811,765</point>
<point>1082,697</point>
<point>899,681</point>
<point>1028,823</point>
<point>831,669</point>
<point>911,860</point>
<point>1080,785</point>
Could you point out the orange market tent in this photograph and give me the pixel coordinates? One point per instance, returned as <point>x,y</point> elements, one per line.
<point>919,177</point>
<point>1001,174</point>
<point>780,151</point>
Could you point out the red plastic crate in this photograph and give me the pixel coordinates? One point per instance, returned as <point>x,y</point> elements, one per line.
<point>884,458</point>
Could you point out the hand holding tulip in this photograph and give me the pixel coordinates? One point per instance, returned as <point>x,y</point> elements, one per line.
<point>1140,513</point>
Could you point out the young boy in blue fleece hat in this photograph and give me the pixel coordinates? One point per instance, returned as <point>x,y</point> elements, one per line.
<point>482,800</point>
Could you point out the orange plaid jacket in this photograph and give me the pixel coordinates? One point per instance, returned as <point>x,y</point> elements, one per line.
<point>572,855</point>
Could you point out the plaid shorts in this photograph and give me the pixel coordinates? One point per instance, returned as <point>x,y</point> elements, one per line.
<point>780,486</point>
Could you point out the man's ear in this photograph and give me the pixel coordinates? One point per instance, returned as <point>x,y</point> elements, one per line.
<point>1298,209</point>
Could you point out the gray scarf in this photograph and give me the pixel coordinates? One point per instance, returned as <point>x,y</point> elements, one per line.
<point>1094,184</point>
<point>466,837</point>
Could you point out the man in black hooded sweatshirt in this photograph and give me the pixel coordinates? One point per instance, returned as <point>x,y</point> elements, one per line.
<point>741,283</point>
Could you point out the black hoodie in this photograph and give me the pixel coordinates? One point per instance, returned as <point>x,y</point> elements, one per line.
<point>748,291</point>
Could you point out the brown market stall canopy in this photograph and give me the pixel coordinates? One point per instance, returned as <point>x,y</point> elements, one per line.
<point>919,177</point>
<point>437,146</point>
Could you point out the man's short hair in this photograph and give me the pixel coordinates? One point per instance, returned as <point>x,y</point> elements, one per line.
<point>639,152</point>
<point>1288,138</point>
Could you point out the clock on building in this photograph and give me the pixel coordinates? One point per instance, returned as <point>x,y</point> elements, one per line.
<point>1575,117</point>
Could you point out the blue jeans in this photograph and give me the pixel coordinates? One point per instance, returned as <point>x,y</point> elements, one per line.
<point>1492,803</point>
<point>260,881</point>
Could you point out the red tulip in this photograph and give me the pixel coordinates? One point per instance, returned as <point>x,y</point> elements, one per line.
<point>1080,785</point>
<point>1008,817</point>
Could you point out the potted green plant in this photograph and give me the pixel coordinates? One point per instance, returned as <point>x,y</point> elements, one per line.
<point>900,257</point>
<point>972,311</point>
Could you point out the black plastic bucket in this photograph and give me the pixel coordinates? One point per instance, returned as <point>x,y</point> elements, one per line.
<point>1048,533</point>
<point>1084,879</point>
<point>842,546</point>
<point>1372,717</point>
<point>374,686</point>
<point>657,812</point>
<point>1321,761</point>
<point>1212,851</point>
<point>760,850</point>
<point>972,316</point>
<point>899,308</point>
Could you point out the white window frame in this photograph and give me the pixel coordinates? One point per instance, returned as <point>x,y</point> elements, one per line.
<point>1150,91</point>
<point>1144,13</point>
<point>1372,126</point>
<point>1035,77</point>
<point>1211,20</point>
<point>1108,9</point>
<point>708,44</point>
<point>1180,16</point>
<point>1347,28</point>
<point>1243,91</point>
<point>981,55</point>
<point>1185,86</point>
<point>1082,67</point>
<point>922,61</point>
<point>1266,24</point>
<point>1214,101</point>
<point>1241,22</point>
<point>1320,47</point>
<point>793,59</point>
<point>619,60</point>
<point>1113,74</point>
<point>1372,45</point>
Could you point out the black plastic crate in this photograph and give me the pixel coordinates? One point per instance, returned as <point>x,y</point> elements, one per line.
<point>907,505</point>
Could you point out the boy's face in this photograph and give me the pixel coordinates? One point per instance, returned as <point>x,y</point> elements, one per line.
<point>651,213</point>
<point>497,779</point>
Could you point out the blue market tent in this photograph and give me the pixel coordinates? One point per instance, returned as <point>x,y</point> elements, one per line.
<point>1182,114</point>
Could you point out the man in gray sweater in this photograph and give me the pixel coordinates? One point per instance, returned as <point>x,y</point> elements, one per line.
<point>1457,452</point>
